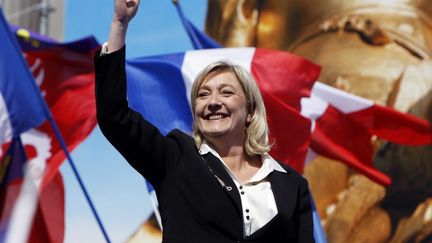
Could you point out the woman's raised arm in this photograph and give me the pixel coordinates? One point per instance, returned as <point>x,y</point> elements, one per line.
<point>124,11</point>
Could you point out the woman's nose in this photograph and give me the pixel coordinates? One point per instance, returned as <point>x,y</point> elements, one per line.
<point>214,103</point>
<point>214,106</point>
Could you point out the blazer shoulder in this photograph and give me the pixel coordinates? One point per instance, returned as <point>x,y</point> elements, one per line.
<point>292,172</point>
<point>181,137</point>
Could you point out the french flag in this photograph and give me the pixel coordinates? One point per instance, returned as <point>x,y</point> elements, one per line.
<point>343,124</point>
<point>159,88</point>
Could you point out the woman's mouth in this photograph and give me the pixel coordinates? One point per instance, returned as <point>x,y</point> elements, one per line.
<point>216,116</point>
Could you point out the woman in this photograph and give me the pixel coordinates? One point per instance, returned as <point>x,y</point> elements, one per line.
<point>220,186</point>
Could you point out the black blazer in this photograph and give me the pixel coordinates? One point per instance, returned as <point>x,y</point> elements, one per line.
<point>194,206</point>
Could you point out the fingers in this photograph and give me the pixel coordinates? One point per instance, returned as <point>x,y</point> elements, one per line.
<point>131,4</point>
<point>125,10</point>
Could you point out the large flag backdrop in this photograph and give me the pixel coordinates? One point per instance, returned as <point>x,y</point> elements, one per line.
<point>64,74</point>
<point>342,124</point>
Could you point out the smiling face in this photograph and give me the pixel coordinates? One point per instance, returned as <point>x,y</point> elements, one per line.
<point>221,108</point>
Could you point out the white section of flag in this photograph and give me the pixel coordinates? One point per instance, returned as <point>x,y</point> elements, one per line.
<point>343,101</point>
<point>311,155</point>
<point>5,124</point>
<point>313,107</point>
<point>322,96</point>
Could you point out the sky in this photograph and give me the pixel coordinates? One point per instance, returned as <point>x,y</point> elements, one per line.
<point>119,194</point>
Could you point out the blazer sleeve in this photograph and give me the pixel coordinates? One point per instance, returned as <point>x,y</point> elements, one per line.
<point>140,143</point>
<point>305,220</point>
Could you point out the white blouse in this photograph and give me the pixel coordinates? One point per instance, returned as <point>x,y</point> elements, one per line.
<point>256,195</point>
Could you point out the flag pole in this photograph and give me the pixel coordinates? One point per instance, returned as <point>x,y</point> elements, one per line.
<point>155,203</point>
<point>56,131</point>
<point>194,39</point>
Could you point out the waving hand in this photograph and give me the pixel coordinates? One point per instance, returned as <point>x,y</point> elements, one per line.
<point>124,11</point>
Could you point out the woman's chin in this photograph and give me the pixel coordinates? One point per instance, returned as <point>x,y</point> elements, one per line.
<point>214,133</point>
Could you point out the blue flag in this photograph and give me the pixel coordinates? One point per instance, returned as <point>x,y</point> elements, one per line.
<point>21,106</point>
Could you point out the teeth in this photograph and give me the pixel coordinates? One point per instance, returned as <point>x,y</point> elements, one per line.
<point>215,117</point>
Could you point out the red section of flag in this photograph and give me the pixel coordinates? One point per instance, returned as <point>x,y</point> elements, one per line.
<point>346,136</point>
<point>289,131</point>
<point>48,223</point>
<point>284,75</point>
<point>394,126</point>
<point>283,80</point>
<point>48,220</point>
<point>68,86</point>
<point>8,196</point>
<point>339,137</point>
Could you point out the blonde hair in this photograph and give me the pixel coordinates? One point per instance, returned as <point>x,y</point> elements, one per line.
<point>256,142</point>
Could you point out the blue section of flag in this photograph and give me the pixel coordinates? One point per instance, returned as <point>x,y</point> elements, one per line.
<point>199,39</point>
<point>17,85</point>
<point>3,231</point>
<point>31,41</point>
<point>150,188</point>
<point>156,90</point>
<point>319,234</point>
<point>12,164</point>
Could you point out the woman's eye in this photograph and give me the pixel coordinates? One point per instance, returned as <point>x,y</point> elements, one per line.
<point>227,92</point>
<point>202,94</point>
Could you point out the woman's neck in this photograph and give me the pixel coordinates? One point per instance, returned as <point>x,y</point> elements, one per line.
<point>238,161</point>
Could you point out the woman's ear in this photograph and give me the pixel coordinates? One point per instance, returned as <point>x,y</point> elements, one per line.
<point>248,119</point>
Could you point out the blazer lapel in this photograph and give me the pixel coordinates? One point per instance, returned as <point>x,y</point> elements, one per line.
<point>284,191</point>
<point>230,188</point>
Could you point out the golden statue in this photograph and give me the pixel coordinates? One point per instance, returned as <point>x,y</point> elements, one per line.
<point>380,50</point>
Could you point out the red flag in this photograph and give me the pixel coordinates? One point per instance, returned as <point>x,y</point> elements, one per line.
<point>68,86</point>
<point>344,125</point>
<point>65,76</point>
